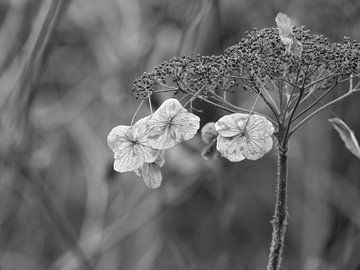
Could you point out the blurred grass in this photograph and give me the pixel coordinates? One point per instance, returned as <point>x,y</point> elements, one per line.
<point>66,73</point>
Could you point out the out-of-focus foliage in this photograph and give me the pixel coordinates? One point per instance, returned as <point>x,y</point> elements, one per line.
<point>66,73</point>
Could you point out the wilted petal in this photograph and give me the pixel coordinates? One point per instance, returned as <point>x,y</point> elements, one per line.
<point>127,161</point>
<point>171,124</point>
<point>231,125</point>
<point>209,150</point>
<point>258,126</point>
<point>292,45</point>
<point>252,139</point>
<point>130,149</point>
<point>208,132</point>
<point>118,138</point>
<point>151,174</point>
<point>231,148</point>
<point>257,148</point>
<point>284,25</point>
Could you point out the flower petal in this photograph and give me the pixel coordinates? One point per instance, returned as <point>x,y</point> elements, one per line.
<point>118,138</point>
<point>284,25</point>
<point>258,126</point>
<point>231,125</point>
<point>151,174</point>
<point>257,148</point>
<point>171,124</point>
<point>140,129</point>
<point>208,132</point>
<point>128,160</point>
<point>231,148</point>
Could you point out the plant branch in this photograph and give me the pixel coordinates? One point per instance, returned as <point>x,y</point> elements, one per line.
<point>315,102</point>
<point>322,108</point>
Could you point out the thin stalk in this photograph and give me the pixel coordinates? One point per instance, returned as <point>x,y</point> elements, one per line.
<point>280,218</point>
<point>315,102</point>
<point>322,108</point>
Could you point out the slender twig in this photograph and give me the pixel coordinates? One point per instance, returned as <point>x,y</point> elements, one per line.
<point>322,108</point>
<point>265,100</point>
<point>315,102</point>
<point>291,83</point>
<point>320,80</point>
<point>234,109</point>
<point>286,133</point>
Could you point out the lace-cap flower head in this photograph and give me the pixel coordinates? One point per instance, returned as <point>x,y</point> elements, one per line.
<point>285,25</point>
<point>130,146</point>
<point>244,136</point>
<point>151,172</point>
<point>170,124</point>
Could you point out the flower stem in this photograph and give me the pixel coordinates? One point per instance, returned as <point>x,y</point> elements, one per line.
<point>279,221</point>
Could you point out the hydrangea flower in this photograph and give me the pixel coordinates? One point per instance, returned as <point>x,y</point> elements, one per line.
<point>208,136</point>
<point>287,37</point>
<point>244,136</point>
<point>151,172</point>
<point>170,124</point>
<point>130,146</point>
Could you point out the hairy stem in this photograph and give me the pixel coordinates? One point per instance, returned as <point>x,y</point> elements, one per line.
<point>279,221</point>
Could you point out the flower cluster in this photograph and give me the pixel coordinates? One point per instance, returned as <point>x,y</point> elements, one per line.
<point>284,53</point>
<point>140,147</point>
<point>187,75</point>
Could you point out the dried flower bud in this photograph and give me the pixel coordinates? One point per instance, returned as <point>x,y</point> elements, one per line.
<point>208,132</point>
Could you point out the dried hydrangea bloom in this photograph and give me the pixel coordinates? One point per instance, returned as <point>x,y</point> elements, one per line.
<point>170,124</point>
<point>130,146</point>
<point>151,172</point>
<point>285,25</point>
<point>208,132</point>
<point>244,136</point>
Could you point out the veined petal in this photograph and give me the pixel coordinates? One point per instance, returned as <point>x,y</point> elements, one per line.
<point>258,126</point>
<point>128,160</point>
<point>168,109</point>
<point>231,125</point>
<point>257,148</point>
<point>118,138</point>
<point>231,148</point>
<point>284,25</point>
<point>146,153</point>
<point>151,174</point>
<point>171,124</point>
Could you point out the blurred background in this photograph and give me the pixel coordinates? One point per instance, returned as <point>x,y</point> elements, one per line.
<point>66,70</point>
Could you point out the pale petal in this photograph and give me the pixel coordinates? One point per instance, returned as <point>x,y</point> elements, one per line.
<point>230,125</point>
<point>284,25</point>
<point>147,153</point>
<point>208,132</point>
<point>151,174</point>
<point>168,109</point>
<point>185,125</point>
<point>231,148</point>
<point>140,129</point>
<point>118,138</point>
<point>258,126</point>
<point>171,124</point>
<point>257,148</point>
<point>161,159</point>
<point>129,160</point>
